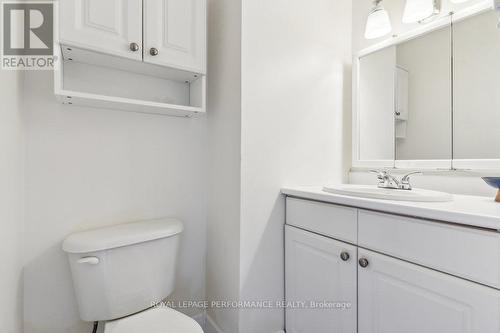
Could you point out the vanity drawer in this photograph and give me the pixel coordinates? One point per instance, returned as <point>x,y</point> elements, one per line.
<point>330,220</point>
<point>467,252</point>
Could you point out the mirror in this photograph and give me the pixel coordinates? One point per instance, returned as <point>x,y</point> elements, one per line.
<point>477,73</point>
<point>429,99</point>
<point>376,106</point>
<point>404,100</point>
<point>423,97</point>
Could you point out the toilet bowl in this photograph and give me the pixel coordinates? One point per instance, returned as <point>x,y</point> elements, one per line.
<point>155,320</point>
<point>120,271</point>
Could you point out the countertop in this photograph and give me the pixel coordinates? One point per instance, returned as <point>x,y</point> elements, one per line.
<point>468,210</point>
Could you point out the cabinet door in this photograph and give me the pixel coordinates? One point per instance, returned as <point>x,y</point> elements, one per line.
<point>395,296</point>
<point>176,29</point>
<point>316,275</point>
<point>103,26</point>
<point>402,93</point>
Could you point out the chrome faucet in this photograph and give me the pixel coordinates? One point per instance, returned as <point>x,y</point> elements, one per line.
<point>386,180</point>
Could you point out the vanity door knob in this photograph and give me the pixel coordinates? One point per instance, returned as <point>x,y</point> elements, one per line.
<point>363,262</point>
<point>134,47</point>
<point>398,113</point>
<point>153,51</point>
<point>344,256</point>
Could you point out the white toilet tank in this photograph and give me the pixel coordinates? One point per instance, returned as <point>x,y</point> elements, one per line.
<point>123,269</point>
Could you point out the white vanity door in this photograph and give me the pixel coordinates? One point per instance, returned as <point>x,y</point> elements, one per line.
<point>103,26</point>
<point>175,33</point>
<point>395,296</point>
<point>315,272</point>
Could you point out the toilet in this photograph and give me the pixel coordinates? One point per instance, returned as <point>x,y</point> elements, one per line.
<point>120,272</point>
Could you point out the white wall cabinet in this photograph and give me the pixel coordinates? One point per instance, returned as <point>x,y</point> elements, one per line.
<point>174,33</point>
<point>174,30</point>
<point>109,26</point>
<point>163,39</point>
<point>393,295</point>
<point>319,270</point>
<point>402,94</point>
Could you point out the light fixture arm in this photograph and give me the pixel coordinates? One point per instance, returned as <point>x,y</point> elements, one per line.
<point>437,10</point>
<point>421,11</point>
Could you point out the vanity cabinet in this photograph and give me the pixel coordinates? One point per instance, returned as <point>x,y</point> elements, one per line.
<point>396,296</point>
<point>320,272</point>
<point>174,30</point>
<point>403,274</point>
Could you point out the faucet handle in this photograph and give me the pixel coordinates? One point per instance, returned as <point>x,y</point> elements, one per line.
<point>405,181</point>
<point>379,173</point>
<point>406,178</point>
<point>386,180</point>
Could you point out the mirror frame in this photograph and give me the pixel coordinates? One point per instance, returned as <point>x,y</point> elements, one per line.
<point>447,164</point>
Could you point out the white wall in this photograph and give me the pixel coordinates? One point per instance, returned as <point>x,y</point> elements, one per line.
<point>87,168</point>
<point>11,200</point>
<point>224,124</point>
<point>278,111</point>
<point>296,82</point>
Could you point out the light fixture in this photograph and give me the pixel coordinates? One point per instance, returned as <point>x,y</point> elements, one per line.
<point>378,23</point>
<point>420,10</point>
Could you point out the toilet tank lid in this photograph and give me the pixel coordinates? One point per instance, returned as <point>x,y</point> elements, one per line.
<point>121,235</point>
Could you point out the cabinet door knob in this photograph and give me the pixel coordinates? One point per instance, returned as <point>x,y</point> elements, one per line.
<point>153,51</point>
<point>134,47</point>
<point>344,256</point>
<point>398,113</point>
<point>363,262</point>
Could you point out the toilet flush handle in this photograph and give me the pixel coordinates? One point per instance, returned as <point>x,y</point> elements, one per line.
<point>88,260</point>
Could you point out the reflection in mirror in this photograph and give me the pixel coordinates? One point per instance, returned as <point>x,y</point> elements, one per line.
<point>404,101</point>
<point>476,89</point>
<point>376,106</point>
<point>423,115</point>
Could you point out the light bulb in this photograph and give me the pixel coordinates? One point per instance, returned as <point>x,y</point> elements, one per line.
<point>378,23</point>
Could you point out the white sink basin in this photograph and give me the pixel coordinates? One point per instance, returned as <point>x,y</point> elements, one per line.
<point>373,192</point>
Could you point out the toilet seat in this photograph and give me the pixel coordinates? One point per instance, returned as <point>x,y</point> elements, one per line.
<point>154,320</point>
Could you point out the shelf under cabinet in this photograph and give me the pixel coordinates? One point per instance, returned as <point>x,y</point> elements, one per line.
<point>90,79</point>
<point>77,98</point>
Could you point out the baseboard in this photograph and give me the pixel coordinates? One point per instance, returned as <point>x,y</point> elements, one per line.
<point>211,326</point>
